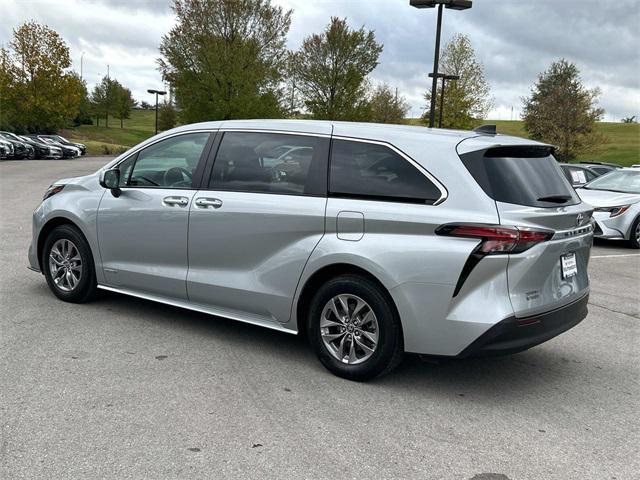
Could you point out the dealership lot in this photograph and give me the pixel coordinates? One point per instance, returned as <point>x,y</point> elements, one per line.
<point>124,388</point>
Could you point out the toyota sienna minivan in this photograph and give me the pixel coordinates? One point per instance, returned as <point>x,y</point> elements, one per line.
<point>371,240</point>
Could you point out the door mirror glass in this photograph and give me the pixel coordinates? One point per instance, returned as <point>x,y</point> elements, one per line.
<point>110,179</point>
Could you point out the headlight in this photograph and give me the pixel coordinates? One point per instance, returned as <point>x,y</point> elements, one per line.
<point>613,211</point>
<point>52,190</point>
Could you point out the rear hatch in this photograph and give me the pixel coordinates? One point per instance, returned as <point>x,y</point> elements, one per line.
<point>532,193</point>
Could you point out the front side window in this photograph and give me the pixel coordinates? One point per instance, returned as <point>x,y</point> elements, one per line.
<point>170,163</point>
<point>270,163</point>
<point>368,170</point>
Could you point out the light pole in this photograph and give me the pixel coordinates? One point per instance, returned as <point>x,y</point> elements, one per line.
<point>454,5</point>
<point>444,78</point>
<point>81,59</point>
<point>157,92</point>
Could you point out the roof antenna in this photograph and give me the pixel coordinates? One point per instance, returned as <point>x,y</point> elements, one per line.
<point>486,130</point>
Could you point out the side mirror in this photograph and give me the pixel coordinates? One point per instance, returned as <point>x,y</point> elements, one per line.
<point>110,179</point>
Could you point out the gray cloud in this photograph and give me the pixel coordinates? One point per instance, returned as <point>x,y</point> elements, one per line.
<point>514,39</point>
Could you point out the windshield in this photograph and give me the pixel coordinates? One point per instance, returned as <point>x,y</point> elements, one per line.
<point>624,181</point>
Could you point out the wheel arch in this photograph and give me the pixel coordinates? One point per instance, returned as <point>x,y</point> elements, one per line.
<point>48,227</point>
<point>322,275</point>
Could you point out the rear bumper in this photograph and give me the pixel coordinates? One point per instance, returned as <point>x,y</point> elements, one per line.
<point>513,335</point>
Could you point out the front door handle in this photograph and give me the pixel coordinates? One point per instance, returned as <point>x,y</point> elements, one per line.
<point>175,200</point>
<point>208,202</point>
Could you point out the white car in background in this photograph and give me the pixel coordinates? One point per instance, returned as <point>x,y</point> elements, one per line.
<point>616,198</point>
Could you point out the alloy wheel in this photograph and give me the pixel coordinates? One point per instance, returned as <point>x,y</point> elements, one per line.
<point>349,329</point>
<point>65,265</point>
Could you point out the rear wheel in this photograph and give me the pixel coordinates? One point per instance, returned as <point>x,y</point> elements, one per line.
<point>68,265</point>
<point>634,236</point>
<point>354,329</point>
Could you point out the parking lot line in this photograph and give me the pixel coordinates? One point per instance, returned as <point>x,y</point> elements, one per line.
<point>619,255</point>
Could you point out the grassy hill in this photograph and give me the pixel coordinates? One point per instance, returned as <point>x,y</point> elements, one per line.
<point>101,140</point>
<point>623,146</point>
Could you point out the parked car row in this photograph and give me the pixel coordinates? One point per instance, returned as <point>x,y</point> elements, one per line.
<point>614,192</point>
<point>581,173</point>
<point>615,197</point>
<point>32,146</point>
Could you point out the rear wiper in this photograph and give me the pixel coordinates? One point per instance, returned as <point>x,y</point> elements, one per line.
<point>555,198</point>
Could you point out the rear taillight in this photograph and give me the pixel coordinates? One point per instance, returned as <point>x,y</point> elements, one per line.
<point>496,239</point>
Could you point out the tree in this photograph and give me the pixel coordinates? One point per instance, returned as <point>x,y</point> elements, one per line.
<point>332,69</point>
<point>7,103</point>
<point>145,105</point>
<point>167,116</point>
<point>291,93</point>
<point>224,58</point>
<point>85,109</point>
<point>386,106</point>
<point>40,93</point>
<point>561,111</point>
<point>123,103</point>
<point>104,98</point>
<point>629,119</point>
<point>467,100</point>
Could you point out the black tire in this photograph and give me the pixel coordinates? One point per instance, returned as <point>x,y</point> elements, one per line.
<point>85,289</point>
<point>634,236</point>
<point>390,347</point>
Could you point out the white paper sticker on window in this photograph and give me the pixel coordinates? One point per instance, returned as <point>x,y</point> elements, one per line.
<point>578,176</point>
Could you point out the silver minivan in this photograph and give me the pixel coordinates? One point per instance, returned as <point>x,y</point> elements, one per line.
<point>371,240</point>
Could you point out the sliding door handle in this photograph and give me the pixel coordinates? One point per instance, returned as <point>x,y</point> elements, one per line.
<point>208,202</point>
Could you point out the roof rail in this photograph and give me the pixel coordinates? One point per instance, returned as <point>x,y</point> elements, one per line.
<point>486,130</point>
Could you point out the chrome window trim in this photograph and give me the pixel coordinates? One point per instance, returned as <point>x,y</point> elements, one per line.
<point>444,194</point>
<point>282,132</point>
<point>443,190</point>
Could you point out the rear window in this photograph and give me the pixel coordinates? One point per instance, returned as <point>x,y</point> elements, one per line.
<point>527,176</point>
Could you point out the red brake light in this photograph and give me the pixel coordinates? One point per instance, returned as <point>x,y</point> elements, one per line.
<point>496,239</point>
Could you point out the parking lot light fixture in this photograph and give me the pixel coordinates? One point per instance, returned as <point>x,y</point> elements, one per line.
<point>453,5</point>
<point>444,79</point>
<point>156,92</point>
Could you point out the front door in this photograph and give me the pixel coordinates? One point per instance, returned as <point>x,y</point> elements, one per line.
<point>253,229</point>
<point>143,232</point>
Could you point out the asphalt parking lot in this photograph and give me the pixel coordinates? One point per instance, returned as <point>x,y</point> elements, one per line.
<point>125,388</point>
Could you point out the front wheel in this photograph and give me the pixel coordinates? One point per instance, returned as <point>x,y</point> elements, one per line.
<point>634,235</point>
<point>354,328</point>
<point>68,265</point>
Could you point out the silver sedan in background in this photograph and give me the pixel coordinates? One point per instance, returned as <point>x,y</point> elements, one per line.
<point>616,198</point>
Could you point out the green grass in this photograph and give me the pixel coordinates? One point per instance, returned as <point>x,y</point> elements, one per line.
<point>101,140</point>
<point>623,145</point>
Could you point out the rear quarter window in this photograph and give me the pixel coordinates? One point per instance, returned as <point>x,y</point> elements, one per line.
<point>528,176</point>
<point>376,172</point>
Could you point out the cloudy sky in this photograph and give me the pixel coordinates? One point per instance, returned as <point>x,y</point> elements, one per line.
<point>514,39</point>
